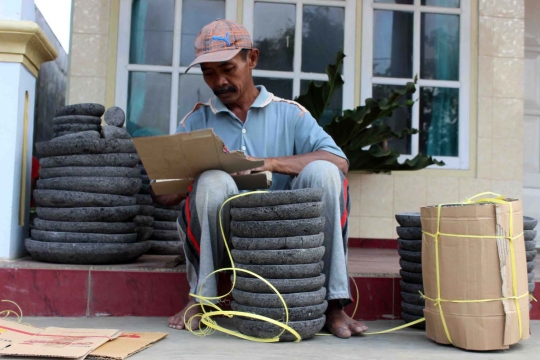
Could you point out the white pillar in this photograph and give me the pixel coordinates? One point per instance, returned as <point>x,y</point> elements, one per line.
<point>23,48</point>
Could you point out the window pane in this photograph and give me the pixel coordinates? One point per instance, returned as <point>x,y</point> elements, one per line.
<point>322,36</point>
<point>400,119</point>
<point>393,44</point>
<point>196,14</point>
<point>149,103</point>
<point>191,90</point>
<point>280,87</point>
<point>439,121</point>
<point>152,24</point>
<point>275,37</point>
<point>334,108</point>
<point>439,47</point>
<point>443,3</point>
<point>405,2</point>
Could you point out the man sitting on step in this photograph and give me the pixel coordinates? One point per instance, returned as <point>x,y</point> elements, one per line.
<point>294,148</point>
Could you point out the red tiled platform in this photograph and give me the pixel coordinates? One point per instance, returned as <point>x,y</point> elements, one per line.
<point>149,288</point>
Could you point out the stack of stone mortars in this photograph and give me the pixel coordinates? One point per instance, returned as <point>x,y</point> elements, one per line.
<point>86,193</point>
<point>162,233</point>
<point>529,233</point>
<point>279,236</point>
<point>410,251</point>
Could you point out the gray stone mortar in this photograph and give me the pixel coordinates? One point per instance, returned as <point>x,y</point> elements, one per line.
<point>280,197</point>
<point>284,286</point>
<point>282,271</point>
<point>100,160</point>
<point>90,214</point>
<point>294,242</point>
<point>98,184</point>
<point>73,237</point>
<point>277,228</point>
<point>90,254</point>
<point>86,227</point>
<point>60,198</point>
<point>278,257</point>
<point>300,313</point>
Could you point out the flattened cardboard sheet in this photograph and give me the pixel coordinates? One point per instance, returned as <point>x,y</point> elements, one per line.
<point>61,343</point>
<point>126,345</point>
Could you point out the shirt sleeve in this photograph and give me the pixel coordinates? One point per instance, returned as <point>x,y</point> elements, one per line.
<point>310,137</point>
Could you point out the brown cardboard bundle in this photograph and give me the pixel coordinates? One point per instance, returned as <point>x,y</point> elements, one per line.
<point>475,274</point>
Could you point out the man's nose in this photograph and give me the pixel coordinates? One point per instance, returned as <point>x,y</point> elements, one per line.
<point>221,81</point>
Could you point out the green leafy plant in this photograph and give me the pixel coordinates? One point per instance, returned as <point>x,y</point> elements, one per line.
<point>361,133</point>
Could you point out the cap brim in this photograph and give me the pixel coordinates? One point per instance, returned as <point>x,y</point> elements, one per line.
<point>216,56</point>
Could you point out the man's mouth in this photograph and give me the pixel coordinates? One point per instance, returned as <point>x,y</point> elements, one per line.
<point>225,90</point>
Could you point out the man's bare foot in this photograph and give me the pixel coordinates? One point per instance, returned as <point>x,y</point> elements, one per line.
<point>177,321</point>
<point>340,324</point>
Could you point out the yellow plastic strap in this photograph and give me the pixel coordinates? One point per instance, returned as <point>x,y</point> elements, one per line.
<point>396,328</point>
<point>498,199</point>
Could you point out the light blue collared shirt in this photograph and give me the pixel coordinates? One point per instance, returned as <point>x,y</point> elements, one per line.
<point>274,127</point>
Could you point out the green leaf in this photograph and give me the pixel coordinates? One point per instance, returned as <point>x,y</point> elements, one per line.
<point>317,97</point>
<point>364,126</point>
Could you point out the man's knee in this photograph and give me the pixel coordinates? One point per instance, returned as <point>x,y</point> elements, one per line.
<point>214,179</point>
<point>322,171</point>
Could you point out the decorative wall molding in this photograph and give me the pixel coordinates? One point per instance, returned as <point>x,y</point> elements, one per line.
<point>24,42</point>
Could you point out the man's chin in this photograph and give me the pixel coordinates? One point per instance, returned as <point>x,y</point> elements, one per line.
<point>227,97</point>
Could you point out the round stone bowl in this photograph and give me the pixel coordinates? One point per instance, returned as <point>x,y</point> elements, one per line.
<point>409,233</point>
<point>85,254</point>
<point>529,235</point>
<point>284,286</point>
<point>294,242</point>
<point>410,318</point>
<point>273,301</point>
<point>278,212</point>
<point>409,219</point>
<point>264,330</point>
<point>280,197</point>
<point>295,313</point>
<point>282,271</point>
<point>529,223</point>
<point>277,228</point>
<point>278,257</point>
<point>410,245</point>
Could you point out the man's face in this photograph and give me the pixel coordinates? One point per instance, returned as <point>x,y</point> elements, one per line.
<point>228,80</point>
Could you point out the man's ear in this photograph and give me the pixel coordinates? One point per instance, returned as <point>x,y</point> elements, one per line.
<point>253,58</point>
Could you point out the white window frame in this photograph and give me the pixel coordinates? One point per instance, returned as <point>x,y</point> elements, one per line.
<point>462,161</point>
<point>123,67</point>
<point>349,46</point>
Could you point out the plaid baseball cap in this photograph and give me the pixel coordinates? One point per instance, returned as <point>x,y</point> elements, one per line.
<point>221,40</point>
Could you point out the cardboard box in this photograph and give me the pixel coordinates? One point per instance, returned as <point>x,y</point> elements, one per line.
<point>126,345</point>
<point>174,161</point>
<point>60,343</point>
<point>473,269</point>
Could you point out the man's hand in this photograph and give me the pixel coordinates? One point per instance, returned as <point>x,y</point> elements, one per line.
<point>167,200</point>
<point>268,166</point>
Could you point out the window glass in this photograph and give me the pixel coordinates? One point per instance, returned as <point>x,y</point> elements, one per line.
<point>400,119</point>
<point>401,2</point>
<point>149,103</point>
<point>443,3</point>
<point>393,44</point>
<point>439,125</point>
<point>334,108</point>
<point>152,24</point>
<point>191,90</point>
<point>322,36</point>
<point>195,15</point>
<point>273,35</point>
<point>282,88</point>
<point>439,47</point>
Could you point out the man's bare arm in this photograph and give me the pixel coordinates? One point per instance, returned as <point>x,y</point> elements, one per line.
<point>293,165</point>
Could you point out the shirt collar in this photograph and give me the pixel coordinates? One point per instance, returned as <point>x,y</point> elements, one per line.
<point>262,100</point>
